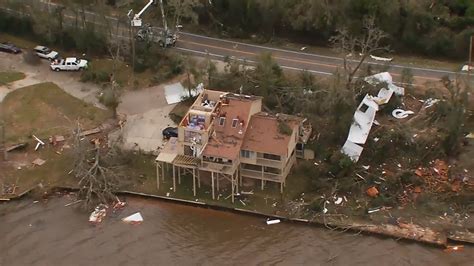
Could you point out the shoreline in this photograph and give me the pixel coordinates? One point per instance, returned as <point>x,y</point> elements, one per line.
<point>414,233</point>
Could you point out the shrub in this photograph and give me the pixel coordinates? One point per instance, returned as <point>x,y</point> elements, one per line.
<point>91,75</point>
<point>341,164</point>
<point>284,129</point>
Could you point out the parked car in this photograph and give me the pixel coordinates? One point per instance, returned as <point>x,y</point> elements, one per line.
<point>9,48</point>
<point>170,132</point>
<point>46,53</point>
<point>69,64</point>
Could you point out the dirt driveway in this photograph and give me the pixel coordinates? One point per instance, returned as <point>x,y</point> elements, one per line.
<point>147,114</point>
<point>68,81</point>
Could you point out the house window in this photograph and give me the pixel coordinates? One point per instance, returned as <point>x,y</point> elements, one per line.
<point>271,157</point>
<point>246,154</point>
<point>221,121</point>
<point>364,108</point>
<point>234,122</point>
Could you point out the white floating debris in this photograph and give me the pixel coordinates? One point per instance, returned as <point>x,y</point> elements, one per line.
<point>98,214</point>
<point>338,201</point>
<point>275,221</point>
<point>133,219</point>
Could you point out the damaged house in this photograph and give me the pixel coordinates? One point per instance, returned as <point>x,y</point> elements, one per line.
<point>227,136</point>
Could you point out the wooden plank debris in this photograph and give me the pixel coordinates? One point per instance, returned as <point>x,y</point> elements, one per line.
<point>90,132</point>
<point>39,162</point>
<point>17,146</point>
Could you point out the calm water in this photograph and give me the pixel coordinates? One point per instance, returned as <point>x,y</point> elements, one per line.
<point>51,234</point>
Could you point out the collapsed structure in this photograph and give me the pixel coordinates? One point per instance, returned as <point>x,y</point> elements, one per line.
<point>227,136</point>
<point>364,116</point>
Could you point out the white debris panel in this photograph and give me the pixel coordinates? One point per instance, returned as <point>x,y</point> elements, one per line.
<point>364,116</point>
<point>174,93</point>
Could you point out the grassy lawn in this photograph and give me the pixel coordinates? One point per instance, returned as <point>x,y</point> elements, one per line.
<point>18,41</point>
<point>44,109</point>
<point>10,76</point>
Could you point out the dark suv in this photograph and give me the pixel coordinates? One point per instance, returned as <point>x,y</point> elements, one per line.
<point>9,48</point>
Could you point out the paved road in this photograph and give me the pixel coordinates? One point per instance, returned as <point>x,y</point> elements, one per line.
<point>293,60</point>
<point>318,64</point>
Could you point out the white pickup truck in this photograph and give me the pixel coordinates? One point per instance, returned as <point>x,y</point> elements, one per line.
<point>69,64</point>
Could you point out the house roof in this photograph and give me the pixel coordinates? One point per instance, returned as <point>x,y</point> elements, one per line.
<point>264,136</point>
<point>227,139</point>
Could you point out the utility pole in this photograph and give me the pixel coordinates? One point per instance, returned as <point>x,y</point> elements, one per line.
<point>470,61</point>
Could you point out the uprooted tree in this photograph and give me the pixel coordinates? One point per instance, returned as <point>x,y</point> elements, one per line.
<point>98,171</point>
<point>351,46</point>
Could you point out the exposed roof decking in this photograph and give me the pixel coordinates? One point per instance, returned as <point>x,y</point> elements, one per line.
<point>227,139</point>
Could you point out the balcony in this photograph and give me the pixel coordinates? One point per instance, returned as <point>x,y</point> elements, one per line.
<point>259,175</point>
<point>225,168</point>
<point>270,163</point>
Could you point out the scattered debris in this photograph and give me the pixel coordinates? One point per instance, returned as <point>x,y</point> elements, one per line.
<point>325,210</point>
<point>275,221</point>
<point>468,136</point>
<point>135,218</point>
<point>98,214</point>
<point>467,68</point>
<point>38,162</point>
<point>247,192</point>
<point>54,140</point>
<point>90,132</point>
<point>366,167</point>
<point>39,142</point>
<point>119,205</point>
<point>378,58</point>
<point>9,189</point>
<point>372,192</point>
<point>430,102</point>
<point>377,209</point>
<point>338,201</point>
<point>303,48</point>
<point>364,115</point>
<point>400,113</point>
<point>454,248</point>
<point>16,146</point>
<point>243,203</point>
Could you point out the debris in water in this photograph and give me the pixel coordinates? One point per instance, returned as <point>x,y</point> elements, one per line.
<point>72,203</point>
<point>98,214</point>
<point>135,218</point>
<point>338,201</point>
<point>276,221</point>
<point>454,248</point>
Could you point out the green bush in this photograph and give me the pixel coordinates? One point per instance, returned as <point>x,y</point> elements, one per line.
<point>341,165</point>
<point>96,76</point>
